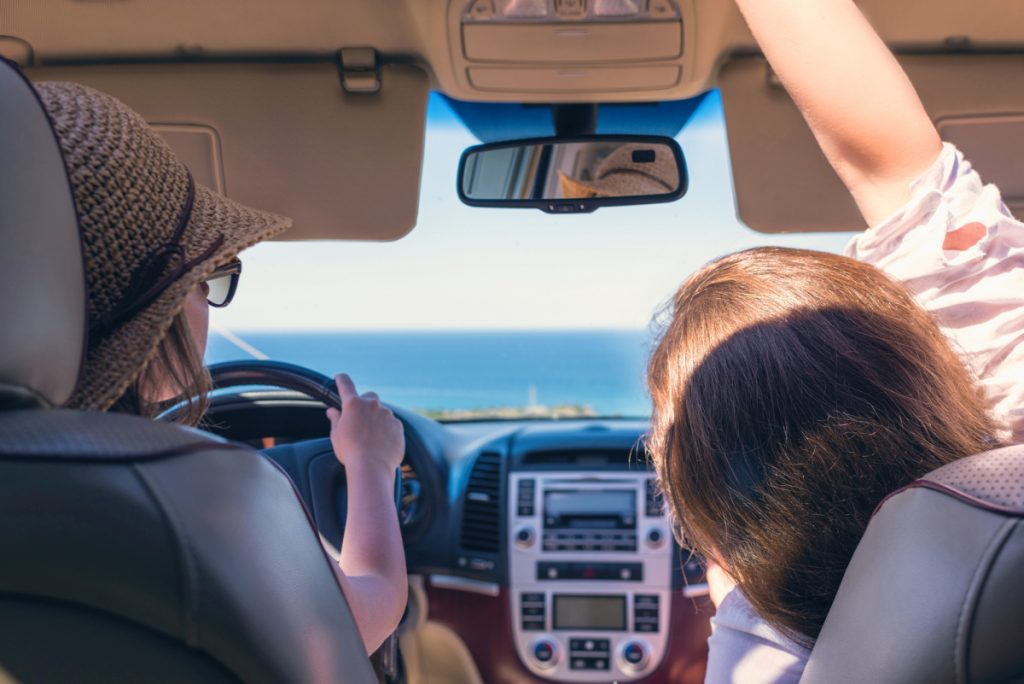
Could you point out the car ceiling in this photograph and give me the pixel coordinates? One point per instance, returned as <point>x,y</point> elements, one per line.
<point>490,62</point>
<point>427,32</point>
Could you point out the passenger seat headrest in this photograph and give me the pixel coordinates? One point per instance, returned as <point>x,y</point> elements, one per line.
<point>993,481</point>
<point>933,593</point>
<point>42,310</point>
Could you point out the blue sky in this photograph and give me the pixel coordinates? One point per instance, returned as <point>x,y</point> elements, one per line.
<point>465,268</point>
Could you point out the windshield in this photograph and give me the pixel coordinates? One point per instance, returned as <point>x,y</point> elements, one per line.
<point>494,313</point>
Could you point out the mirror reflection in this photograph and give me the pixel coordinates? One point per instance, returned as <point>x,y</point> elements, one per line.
<point>571,170</point>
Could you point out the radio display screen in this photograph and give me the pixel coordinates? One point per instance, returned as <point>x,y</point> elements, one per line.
<point>598,509</point>
<point>590,612</point>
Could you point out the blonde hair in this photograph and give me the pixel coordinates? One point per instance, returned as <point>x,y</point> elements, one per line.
<point>178,364</point>
<point>792,391</point>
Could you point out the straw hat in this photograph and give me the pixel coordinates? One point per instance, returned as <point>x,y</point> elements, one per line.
<point>620,174</point>
<point>149,234</point>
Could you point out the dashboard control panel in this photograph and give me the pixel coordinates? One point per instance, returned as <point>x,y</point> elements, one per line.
<point>590,570</point>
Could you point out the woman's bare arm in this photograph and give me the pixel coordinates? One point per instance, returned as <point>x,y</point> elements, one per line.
<point>853,93</point>
<point>370,443</point>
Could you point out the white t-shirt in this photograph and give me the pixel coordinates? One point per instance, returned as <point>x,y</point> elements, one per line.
<point>956,246</point>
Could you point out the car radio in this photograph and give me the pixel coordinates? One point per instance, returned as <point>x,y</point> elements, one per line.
<point>590,567</point>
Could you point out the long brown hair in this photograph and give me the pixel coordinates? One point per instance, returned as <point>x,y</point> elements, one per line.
<point>178,364</point>
<point>792,391</point>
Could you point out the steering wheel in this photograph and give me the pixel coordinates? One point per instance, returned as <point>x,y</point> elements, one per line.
<point>276,374</point>
<point>321,388</point>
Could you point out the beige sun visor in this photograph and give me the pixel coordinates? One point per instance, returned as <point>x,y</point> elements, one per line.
<point>783,182</point>
<point>286,138</point>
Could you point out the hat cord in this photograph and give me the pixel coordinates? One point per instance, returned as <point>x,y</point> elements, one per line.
<point>138,295</point>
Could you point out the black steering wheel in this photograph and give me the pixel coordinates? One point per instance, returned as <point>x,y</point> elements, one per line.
<point>276,374</point>
<point>317,386</point>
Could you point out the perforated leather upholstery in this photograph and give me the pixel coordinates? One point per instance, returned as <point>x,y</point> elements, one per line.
<point>934,592</point>
<point>41,276</point>
<point>156,544</point>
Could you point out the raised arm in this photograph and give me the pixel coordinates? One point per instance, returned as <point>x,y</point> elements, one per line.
<point>853,93</point>
<point>370,443</point>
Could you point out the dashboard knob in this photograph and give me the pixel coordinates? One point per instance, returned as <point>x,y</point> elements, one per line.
<point>655,537</point>
<point>635,655</point>
<point>546,653</point>
<point>524,537</point>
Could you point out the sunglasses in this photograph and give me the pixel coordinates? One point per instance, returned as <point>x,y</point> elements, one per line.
<point>222,283</point>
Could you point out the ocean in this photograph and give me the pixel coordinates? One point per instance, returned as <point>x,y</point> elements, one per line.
<point>598,372</point>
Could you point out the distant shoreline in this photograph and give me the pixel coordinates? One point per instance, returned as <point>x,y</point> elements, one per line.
<point>470,375</point>
<point>567,411</point>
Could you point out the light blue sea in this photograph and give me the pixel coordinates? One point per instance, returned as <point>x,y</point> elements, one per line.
<point>471,370</point>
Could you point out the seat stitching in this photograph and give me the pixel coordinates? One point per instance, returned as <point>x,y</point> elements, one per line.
<point>189,583</point>
<point>966,622</point>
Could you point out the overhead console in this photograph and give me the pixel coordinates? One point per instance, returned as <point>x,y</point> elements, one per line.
<point>558,50</point>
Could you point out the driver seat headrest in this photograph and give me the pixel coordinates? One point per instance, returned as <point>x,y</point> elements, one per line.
<point>933,593</point>
<point>42,335</point>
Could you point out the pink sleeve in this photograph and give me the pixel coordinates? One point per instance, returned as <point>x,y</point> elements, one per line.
<point>956,246</point>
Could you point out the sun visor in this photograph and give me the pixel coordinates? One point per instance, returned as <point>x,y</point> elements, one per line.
<point>286,137</point>
<point>783,181</point>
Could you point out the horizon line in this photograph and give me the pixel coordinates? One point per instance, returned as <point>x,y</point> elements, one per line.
<point>221,329</point>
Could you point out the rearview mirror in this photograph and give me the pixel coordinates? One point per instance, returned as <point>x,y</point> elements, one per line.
<point>566,175</point>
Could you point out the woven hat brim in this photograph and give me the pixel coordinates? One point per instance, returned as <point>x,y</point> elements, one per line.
<point>624,185</point>
<point>120,358</point>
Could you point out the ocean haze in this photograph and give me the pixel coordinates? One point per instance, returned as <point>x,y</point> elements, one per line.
<point>469,371</point>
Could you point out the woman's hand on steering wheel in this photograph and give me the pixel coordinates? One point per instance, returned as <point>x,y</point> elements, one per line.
<point>365,434</point>
<point>370,442</point>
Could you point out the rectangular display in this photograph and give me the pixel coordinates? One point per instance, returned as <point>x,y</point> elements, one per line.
<point>607,509</point>
<point>590,612</point>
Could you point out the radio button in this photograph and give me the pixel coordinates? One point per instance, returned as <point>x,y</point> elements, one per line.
<point>628,572</point>
<point>526,498</point>
<point>589,647</point>
<point>545,653</point>
<point>635,656</point>
<point>588,664</point>
<point>525,537</point>
<point>645,612</point>
<point>655,538</point>
<point>532,612</point>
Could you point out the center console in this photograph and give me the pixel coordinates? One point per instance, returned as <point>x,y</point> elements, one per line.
<point>590,569</point>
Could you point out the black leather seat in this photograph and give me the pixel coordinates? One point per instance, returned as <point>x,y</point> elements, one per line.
<point>130,550</point>
<point>935,590</point>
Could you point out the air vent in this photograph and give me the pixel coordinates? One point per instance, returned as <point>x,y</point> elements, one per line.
<point>481,513</point>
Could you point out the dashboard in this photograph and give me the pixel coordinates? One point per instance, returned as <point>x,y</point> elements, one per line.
<point>543,545</point>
